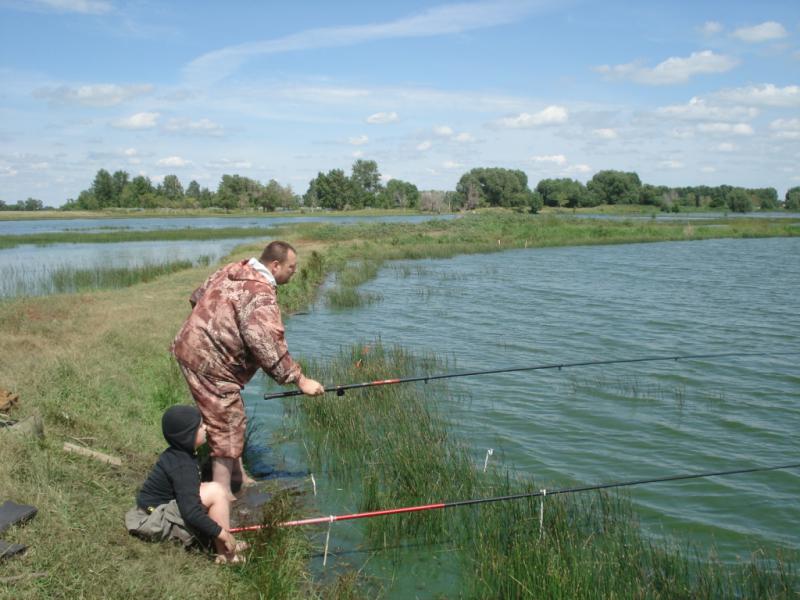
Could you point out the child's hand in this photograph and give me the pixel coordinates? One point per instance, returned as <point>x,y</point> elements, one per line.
<point>226,538</point>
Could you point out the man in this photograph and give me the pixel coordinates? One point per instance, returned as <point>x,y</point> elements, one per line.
<point>234,329</point>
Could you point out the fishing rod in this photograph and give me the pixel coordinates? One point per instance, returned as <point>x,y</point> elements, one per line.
<point>340,389</point>
<point>542,493</point>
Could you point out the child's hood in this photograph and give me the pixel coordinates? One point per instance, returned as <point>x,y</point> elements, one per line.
<point>179,425</point>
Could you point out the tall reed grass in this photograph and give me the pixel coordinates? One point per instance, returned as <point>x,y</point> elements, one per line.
<point>393,447</point>
<point>17,281</point>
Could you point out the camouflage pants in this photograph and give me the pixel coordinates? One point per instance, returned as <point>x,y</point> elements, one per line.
<point>222,408</point>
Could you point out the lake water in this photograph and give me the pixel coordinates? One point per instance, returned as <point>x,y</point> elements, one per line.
<point>27,227</point>
<point>607,423</point>
<point>27,269</point>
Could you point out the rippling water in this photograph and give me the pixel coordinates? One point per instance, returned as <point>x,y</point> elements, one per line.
<point>621,422</point>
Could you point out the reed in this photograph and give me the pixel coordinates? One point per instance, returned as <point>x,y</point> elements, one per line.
<point>66,279</point>
<point>393,448</point>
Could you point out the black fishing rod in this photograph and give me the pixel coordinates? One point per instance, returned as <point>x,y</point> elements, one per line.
<point>340,389</point>
<point>542,493</point>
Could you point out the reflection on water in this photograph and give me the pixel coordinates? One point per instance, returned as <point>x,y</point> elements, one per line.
<point>608,423</point>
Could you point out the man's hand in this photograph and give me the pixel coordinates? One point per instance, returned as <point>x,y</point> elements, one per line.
<point>310,387</point>
<point>226,538</point>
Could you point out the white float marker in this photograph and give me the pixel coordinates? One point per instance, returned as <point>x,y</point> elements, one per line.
<point>489,452</point>
<point>314,484</point>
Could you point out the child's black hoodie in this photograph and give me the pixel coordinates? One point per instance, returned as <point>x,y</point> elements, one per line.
<point>176,475</point>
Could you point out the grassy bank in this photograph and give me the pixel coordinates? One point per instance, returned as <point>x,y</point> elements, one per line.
<point>95,367</point>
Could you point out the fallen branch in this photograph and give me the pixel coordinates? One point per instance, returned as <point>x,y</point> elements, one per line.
<point>106,458</point>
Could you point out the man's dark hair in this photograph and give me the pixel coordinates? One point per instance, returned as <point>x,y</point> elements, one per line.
<point>276,250</point>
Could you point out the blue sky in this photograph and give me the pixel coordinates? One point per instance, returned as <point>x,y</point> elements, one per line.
<point>683,93</point>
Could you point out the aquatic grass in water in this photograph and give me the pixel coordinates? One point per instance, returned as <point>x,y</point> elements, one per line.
<point>392,447</point>
<point>17,281</point>
<point>348,278</point>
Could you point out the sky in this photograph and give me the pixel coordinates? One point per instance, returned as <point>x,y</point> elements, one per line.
<point>683,93</point>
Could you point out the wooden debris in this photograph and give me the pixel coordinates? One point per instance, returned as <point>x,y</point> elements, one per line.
<point>7,400</point>
<point>106,458</point>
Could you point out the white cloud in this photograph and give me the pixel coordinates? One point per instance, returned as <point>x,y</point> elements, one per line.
<point>724,128</point>
<point>88,7</point>
<point>670,164</point>
<point>358,154</point>
<point>579,169</point>
<point>97,95</point>
<point>443,131</point>
<point>227,163</point>
<point>142,120</point>
<point>786,128</point>
<point>424,145</point>
<point>437,21</point>
<point>711,28</point>
<point>7,171</point>
<point>700,109</point>
<point>39,166</point>
<point>766,94</point>
<point>130,152</point>
<point>558,159</point>
<point>605,133</point>
<point>380,118</point>
<point>548,116</point>
<point>727,147</point>
<point>708,170</point>
<point>769,30</point>
<point>451,164</point>
<point>199,127</point>
<point>464,138</point>
<point>174,161</point>
<point>673,70</point>
<point>359,140</point>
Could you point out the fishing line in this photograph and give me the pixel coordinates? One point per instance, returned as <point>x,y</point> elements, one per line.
<point>540,493</point>
<point>340,389</point>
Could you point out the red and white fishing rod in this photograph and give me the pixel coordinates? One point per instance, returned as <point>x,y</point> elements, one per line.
<point>440,505</point>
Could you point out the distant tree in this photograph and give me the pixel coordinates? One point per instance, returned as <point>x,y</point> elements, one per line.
<point>276,195</point>
<point>310,198</point>
<point>3,205</point>
<point>33,204</point>
<point>767,198</point>
<point>104,189</point>
<point>738,200</point>
<point>615,187</point>
<point>366,181</point>
<point>193,190</point>
<point>120,180</point>
<point>653,195</point>
<point>235,191</point>
<point>398,194</point>
<point>792,199</point>
<point>207,198</point>
<point>562,192</point>
<point>171,189</point>
<point>335,190</point>
<point>497,187</point>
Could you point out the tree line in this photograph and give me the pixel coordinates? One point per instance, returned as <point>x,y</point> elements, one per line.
<point>363,188</point>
